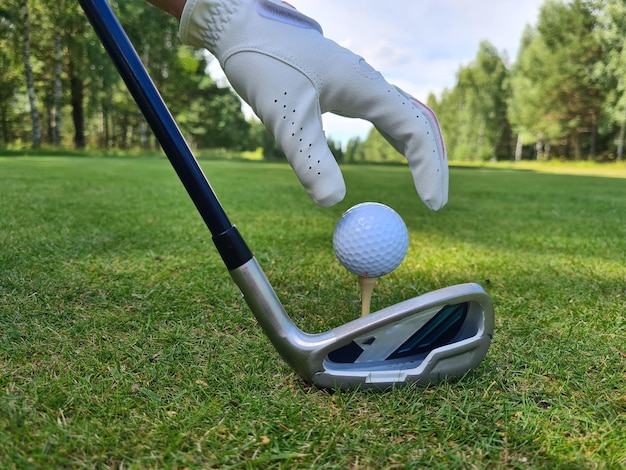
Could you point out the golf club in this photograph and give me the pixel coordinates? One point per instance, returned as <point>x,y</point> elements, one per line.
<point>437,335</point>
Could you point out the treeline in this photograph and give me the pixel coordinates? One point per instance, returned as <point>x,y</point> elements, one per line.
<point>564,95</point>
<point>59,88</point>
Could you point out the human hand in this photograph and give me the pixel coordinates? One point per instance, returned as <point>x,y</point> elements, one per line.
<point>279,62</point>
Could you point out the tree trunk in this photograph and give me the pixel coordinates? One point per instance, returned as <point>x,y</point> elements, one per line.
<point>593,146</point>
<point>77,97</point>
<point>143,135</point>
<point>49,123</point>
<point>58,89</point>
<point>104,122</point>
<point>518,148</point>
<point>5,125</point>
<point>30,81</point>
<point>143,125</point>
<point>539,149</point>
<point>620,140</point>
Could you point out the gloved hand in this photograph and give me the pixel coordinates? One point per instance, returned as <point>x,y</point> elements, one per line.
<point>279,62</point>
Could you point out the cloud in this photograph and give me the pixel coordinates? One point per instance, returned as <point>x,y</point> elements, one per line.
<point>397,35</point>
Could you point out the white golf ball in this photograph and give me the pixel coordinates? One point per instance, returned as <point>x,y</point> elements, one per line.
<point>370,239</point>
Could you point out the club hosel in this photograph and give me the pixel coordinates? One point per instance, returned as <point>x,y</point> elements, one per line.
<point>232,248</point>
<point>297,348</point>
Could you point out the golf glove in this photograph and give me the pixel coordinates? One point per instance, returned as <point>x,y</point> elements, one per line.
<point>279,62</point>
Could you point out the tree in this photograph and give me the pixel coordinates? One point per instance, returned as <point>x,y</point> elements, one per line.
<point>58,88</point>
<point>11,75</point>
<point>377,149</point>
<point>555,96</point>
<point>473,114</point>
<point>351,149</point>
<point>530,113</point>
<point>28,71</point>
<point>152,33</point>
<point>611,71</point>
<point>78,38</point>
<point>210,114</point>
<point>336,150</point>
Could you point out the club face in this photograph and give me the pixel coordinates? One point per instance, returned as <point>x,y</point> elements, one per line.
<point>423,340</point>
<point>410,338</point>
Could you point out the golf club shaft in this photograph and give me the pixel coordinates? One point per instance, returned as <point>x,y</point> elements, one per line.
<point>227,239</point>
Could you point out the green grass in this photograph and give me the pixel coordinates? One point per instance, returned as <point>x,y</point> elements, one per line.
<point>124,343</point>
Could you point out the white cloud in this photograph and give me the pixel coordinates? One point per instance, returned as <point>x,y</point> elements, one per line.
<point>408,39</point>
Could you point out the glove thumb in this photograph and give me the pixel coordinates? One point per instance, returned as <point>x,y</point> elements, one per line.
<point>287,103</point>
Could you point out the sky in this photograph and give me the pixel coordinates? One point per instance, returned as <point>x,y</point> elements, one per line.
<point>418,45</point>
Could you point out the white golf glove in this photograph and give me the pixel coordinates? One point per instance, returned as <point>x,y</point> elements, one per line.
<point>279,62</point>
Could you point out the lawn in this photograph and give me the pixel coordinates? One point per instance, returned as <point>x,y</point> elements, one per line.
<point>124,343</point>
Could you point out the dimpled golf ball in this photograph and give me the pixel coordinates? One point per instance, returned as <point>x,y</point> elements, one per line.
<point>370,239</point>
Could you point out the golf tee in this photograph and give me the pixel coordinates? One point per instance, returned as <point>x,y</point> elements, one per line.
<point>367,287</point>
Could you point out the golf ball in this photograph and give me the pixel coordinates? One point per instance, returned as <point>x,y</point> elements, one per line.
<point>370,239</point>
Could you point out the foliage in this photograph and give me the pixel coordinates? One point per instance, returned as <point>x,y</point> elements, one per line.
<point>12,121</point>
<point>611,71</point>
<point>96,109</point>
<point>473,114</point>
<point>376,149</point>
<point>556,100</point>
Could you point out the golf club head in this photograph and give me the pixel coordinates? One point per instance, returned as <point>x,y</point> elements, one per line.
<point>435,336</point>
<point>432,337</point>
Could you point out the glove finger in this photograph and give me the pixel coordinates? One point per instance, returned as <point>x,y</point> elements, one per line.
<point>413,130</point>
<point>408,125</point>
<point>288,105</point>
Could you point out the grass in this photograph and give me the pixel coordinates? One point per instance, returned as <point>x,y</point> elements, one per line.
<point>124,343</point>
<point>615,169</point>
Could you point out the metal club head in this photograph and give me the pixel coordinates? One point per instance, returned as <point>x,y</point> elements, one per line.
<point>438,335</point>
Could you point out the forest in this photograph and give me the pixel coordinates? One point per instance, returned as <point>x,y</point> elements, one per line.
<point>563,96</point>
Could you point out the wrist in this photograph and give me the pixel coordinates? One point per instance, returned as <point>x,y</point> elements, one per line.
<point>203,22</point>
